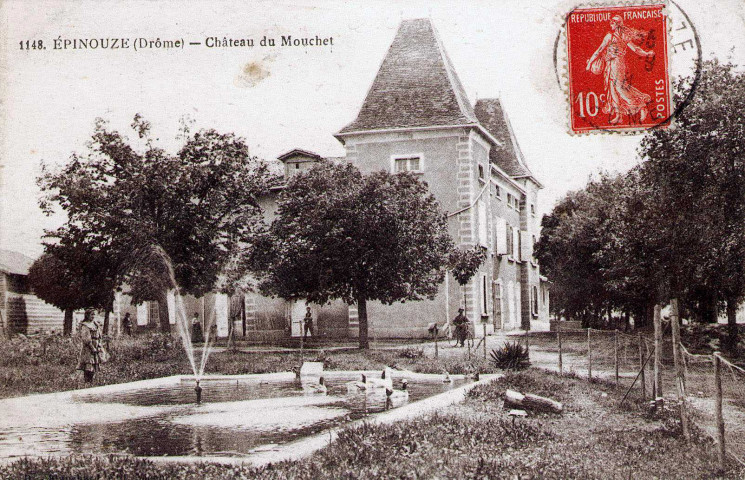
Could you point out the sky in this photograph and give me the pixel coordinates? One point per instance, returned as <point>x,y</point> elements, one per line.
<point>279,98</point>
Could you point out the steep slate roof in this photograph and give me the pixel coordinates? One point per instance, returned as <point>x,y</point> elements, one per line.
<point>508,157</point>
<point>416,85</point>
<point>14,262</point>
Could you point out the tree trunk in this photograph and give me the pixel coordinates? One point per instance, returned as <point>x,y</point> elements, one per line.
<point>67,323</point>
<point>165,324</point>
<point>532,402</point>
<point>106,317</point>
<point>362,319</point>
<point>626,321</point>
<point>732,332</point>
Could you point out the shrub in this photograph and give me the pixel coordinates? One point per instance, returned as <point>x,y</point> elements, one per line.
<point>411,353</point>
<point>512,356</point>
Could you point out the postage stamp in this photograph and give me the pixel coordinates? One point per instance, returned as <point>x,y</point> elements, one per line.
<point>618,68</point>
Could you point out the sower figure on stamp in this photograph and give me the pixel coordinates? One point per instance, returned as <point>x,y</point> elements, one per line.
<point>621,98</point>
<point>461,327</point>
<point>307,323</point>
<point>90,334</point>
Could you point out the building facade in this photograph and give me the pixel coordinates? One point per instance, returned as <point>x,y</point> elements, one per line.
<point>416,117</point>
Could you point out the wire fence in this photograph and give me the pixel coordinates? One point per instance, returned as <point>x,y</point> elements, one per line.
<point>709,389</point>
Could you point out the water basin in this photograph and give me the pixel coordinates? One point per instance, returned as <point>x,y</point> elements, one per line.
<point>237,418</point>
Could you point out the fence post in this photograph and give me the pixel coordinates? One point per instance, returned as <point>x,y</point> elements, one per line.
<point>558,336</point>
<point>589,356</point>
<point>719,415</point>
<point>642,366</point>
<point>679,375</point>
<point>657,352</point>
<point>615,347</point>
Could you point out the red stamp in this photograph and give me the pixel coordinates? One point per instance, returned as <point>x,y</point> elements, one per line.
<point>618,68</point>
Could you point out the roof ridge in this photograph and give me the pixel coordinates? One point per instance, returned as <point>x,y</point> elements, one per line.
<point>455,82</point>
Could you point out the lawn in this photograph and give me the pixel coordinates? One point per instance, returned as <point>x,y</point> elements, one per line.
<point>27,367</point>
<point>596,437</point>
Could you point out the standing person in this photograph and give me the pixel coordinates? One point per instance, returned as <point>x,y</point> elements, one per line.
<point>307,323</point>
<point>90,334</point>
<point>461,327</point>
<point>127,324</point>
<point>196,329</point>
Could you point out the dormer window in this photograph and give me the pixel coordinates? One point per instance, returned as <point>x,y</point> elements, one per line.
<point>407,163</point>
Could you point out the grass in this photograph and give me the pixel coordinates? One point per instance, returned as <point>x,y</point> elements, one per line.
<point>596,437</point>
<point>27,367</point>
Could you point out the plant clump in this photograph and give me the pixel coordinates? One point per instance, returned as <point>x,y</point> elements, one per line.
<point>511,356</point>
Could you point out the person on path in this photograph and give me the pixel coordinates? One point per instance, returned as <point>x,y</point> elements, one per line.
<point>127,324</point>
<point>461,327</point>
<point>90,334</point>
<point>196,329</point>
<point>307,323</point>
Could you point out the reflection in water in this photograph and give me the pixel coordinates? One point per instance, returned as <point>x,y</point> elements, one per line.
<point>235,418</point>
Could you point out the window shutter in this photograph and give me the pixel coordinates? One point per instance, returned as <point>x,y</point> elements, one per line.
<point>515,244</point>
<point>526,245</point>
<point>501,236</point>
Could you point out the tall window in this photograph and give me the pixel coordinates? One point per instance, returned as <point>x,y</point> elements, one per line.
<point>154,312</point>
<point>510,239</point>
<point>484,297</point>
<point>408,163</point>
<point>497,292</point>
<point>481,172</point>
<point>534,300</point>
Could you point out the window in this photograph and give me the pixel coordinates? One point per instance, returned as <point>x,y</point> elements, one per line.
<point>154,312</point>
<point>532,209</point>
<point>534,300</point>
<point>407,163</point>
<point>510,239</point>
<point>484,298</point>
<point>481,172</point>
<point>497,292</point>
<point>509,200</point>
<point>497,191</point>
<point>297,166</point>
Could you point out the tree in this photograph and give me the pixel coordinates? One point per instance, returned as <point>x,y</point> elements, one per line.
<point>341,235</point>
<point>197,207</point>
<point>698,172</point>
<point>463,264</point>
<point>52,281</point>
<point>73,276</point>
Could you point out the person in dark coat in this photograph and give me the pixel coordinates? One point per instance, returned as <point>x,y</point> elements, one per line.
<point>127,324</point>
<point>90,334</point>
<point>307,323</point>
<point>461,327</point>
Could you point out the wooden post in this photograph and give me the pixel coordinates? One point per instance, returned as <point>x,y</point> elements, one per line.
<point>589,356</point>
<point>437,333</point>
<point>558,336</point>
<point>657,352</point>
<point>642,366</point>
<point>719,415</point>
<point>679,375</point>
<point>615,347</point>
